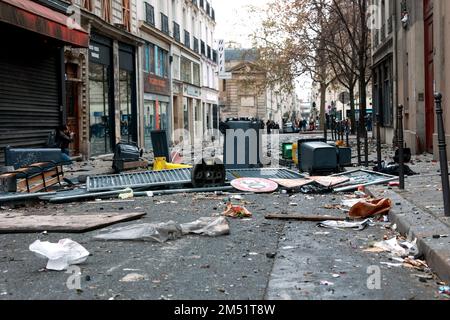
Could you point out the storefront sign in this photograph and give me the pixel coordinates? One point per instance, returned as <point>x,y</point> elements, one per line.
<point>192,91</point>
<point>154,84</point>
<point>177,88</point>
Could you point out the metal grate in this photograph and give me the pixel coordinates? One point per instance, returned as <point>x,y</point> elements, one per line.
<point>266,173</point>
<point>139,180</point>
<point>150,179</point>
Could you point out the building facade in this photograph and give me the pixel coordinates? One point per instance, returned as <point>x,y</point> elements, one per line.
<point>35,87</point>
<point>409,67</point>
<point>183,97</point>
<point>243,95</point>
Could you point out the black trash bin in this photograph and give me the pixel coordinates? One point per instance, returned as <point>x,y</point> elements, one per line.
<point>242,148</point>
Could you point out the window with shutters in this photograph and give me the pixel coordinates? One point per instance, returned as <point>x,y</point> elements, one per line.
<point>126,14</point>
<point>149,14</point>
<point>106,10</point>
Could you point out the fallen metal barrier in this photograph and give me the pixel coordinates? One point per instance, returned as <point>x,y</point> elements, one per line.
<point>363,178</point>
<point>151,179</point>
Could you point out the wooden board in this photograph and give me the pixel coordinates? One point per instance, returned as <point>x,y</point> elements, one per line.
<point>329,181</point>
<point>292,183</point>
<point>302,217</point>
<point>77,223</point>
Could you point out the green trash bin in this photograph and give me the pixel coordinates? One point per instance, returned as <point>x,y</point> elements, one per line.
<point>286,151</point>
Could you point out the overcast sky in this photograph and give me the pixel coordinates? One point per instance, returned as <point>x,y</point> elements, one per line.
<point>233,21</point>
<point>235,24</point>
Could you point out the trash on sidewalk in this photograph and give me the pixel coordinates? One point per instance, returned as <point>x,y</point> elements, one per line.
<point>292,183</point>
<point>444,290</point>
<point>127,194</point>
<point>330,181</point>
<point>370,208</point>
<point>365,178</point>
<point>302,217</point>
<point>163,232</point>
<point>212,227</point>
<point>134,277</point>
<point>235,211</point>
<point>338,225</point>
<point>256,185</point>
<point>74,223</point>
<point>400,249</point>
<point>60,255</point>
<point>159,232</point>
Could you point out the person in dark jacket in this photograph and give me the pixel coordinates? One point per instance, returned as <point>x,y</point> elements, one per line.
<point>63,139</point>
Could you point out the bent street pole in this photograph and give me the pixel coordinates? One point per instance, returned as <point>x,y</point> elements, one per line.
<point>443,154</point>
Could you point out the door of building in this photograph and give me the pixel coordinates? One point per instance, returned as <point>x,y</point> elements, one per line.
<point>72,106</point>
<point>429,75</point>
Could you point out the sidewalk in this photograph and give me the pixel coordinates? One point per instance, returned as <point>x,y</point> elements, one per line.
<point>418,211</point>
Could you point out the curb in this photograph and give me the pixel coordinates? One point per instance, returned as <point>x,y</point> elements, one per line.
<point>416,223</point>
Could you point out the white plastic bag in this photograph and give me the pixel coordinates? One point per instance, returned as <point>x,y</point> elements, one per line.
<point>160,232</point>
<point>60,255</point>
<point>212,227</point>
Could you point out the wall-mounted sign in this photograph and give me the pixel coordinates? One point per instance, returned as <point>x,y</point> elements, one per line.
<point>154,84</point>
<point>222,72</point>
<point>192,91</point>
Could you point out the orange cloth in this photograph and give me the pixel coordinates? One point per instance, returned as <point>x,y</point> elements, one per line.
<point>365,209</point>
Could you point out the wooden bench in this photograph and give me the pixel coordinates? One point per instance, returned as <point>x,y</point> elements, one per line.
<point>34,169</point>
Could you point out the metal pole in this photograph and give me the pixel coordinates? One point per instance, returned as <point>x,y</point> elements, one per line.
<point>379,143</point>
<point>366,145</point>
<point>443,154</point>
<point>358,142</point>
<point>400,147</point>
<point>347,132</point>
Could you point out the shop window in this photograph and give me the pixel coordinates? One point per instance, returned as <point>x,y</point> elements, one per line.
<point>126,120</point>
<point>155,118</point>
<point>176,67</point>
<point>196,74</point>
<point>186,72</point>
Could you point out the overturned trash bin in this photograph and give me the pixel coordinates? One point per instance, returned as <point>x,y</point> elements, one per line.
<point>243,143</point>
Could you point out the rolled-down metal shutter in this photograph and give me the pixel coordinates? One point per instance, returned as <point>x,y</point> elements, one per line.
<point>29,96</point>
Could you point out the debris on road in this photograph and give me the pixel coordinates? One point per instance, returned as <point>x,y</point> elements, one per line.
<point>133,277</point>
<point>163,232</point>
<point>338,225</point>
<point>302,217</point>
<point>370,208</point>
<point>73,223</point>
<point>60,255</point>
<point>444,290</point>
<point>128,194</point>
<point>397,248</point>
<point>235,211</point>
<point>256,185</point>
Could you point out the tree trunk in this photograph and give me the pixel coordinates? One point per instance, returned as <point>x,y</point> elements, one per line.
<point>352,110</point>
<point>323,97</point>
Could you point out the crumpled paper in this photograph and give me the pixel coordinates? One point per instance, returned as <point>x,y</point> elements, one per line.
<point>60,255</point>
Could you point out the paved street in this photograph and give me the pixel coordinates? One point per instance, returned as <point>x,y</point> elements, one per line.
<point>238,266</point>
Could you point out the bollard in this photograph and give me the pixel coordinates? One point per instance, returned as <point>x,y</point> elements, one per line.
<point>379,143</point>
<point>400,143</point>
<point>358,142</point>
<point>443,154</point>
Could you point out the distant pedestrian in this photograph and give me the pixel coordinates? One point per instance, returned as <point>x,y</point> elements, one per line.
<point>63,139</point>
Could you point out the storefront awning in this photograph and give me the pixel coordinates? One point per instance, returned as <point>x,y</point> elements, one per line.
<point>34,17</point>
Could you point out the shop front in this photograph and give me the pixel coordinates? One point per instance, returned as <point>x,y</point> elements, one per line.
<point>112,117</point>
<point>192,112</point>
<point>32,72</point>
